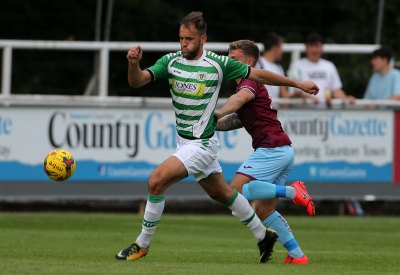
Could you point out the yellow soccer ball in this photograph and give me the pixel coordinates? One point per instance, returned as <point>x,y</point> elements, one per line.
<point>59,165</point>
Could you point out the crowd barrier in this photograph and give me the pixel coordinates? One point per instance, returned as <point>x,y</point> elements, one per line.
<point>103,50</point>
<point>124,143</point>
<point>124,139</point>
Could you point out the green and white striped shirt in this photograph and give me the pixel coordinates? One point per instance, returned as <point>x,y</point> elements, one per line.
<point>195,86</point>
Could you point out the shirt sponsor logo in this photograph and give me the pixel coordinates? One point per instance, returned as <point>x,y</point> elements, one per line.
<point>192,88</point>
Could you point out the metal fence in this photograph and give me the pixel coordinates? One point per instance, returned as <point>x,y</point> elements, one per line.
<point>104,49</point>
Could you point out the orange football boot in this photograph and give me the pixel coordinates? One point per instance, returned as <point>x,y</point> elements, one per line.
<point>303,198</point>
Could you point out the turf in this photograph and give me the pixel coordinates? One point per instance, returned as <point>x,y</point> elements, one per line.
<point>85,243</point>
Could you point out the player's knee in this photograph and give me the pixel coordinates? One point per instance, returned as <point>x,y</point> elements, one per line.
<point>156,186</point>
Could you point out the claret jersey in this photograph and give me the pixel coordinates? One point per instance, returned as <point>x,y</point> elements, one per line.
<point>260,119</point>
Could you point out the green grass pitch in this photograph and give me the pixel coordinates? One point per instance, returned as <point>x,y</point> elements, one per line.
<point>85,243</point>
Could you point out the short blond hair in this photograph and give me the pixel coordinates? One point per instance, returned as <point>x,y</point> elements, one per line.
<point>248,47</point>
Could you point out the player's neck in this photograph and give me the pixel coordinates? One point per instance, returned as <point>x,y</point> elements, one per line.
<point>198,55</point>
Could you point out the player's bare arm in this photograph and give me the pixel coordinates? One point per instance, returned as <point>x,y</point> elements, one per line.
<point>270,78</point>
<point>234,103</point>
<point>136,76</point>
<point>229,122</point>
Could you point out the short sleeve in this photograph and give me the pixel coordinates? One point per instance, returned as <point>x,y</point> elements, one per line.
<point>235,69</point>
<point>396,83</point>
<point>248,85</point>
<point>160,68</point>
<point>295,71</point>
<point>334,81</point>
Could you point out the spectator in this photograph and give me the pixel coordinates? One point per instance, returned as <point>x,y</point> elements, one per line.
<point>268,61</point>
<point>385,81</point>
<point>319,70</point>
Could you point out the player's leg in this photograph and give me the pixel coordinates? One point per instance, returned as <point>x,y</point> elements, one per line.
<point>253,189</point>
<point>215,185</point>
<point>166,174</point>
<point>266,210</point>
<point>269,165</point>
<point>262,168</point>
<point>297,192</point>
<point>217,189</point>
<point>208,173</point>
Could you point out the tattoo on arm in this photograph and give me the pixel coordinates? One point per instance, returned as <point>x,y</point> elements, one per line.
<point>229,122</point>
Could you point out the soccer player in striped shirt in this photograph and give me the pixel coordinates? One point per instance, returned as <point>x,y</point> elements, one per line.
<point>195,77</point>
<point>261,177</point>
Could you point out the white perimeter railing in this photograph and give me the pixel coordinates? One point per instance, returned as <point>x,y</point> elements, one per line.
<point>158,102</point>
<point>104,48</point>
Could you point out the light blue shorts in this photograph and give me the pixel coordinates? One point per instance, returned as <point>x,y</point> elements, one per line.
<point>272,165</point>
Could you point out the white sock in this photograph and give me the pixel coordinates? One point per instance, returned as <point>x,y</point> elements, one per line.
<point>152,215</point>
<point>242,209</point>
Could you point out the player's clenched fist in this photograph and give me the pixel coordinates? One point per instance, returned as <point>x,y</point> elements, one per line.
<point>309,87</point>
<point>134,55</point>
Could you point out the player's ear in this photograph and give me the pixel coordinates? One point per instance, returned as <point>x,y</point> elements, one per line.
<point>250,61</point>
<point>203,38</point>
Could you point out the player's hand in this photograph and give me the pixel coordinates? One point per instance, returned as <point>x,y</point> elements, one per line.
<point>309,87</point>
<point>134,55</point>
<point>217,115</point>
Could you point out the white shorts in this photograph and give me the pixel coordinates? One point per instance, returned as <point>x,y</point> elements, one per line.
<point>199,156</point>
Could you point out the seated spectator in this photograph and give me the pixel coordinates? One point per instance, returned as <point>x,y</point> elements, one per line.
<point>385,81</point>
<point>319,70</point>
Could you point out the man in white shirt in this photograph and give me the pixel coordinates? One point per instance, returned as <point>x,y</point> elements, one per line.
<point>319,70</point>
<point>268,61</point>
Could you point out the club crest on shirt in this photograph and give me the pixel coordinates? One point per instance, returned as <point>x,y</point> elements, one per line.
<point>201,76</point>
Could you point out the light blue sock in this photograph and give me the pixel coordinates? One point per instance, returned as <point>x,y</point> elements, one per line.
<point>286,238</point>
<point>261,190</point>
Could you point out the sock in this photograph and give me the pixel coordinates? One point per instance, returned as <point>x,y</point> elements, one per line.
<point>152,215</point>
<point>260,190</point>
<point>242,209</point>
<point>286,238</point>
